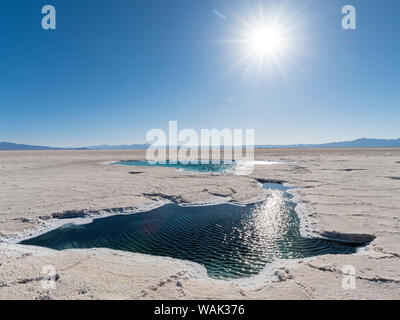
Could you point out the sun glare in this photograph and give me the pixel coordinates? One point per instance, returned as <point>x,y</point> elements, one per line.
<point>266,41</point>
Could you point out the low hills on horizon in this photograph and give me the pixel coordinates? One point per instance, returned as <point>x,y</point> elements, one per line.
<point>358,143</point>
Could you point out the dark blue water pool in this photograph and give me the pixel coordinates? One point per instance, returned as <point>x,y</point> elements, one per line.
<point>230,241</point>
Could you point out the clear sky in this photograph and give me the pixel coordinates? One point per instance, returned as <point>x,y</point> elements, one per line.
<point>112,70</point>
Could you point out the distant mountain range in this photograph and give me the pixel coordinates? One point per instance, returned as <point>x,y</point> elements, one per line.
<point>359,143</point>
<point>15,146</point>
<point>120,147</point>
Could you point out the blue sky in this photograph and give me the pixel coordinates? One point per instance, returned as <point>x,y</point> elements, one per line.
<point>112,70</point>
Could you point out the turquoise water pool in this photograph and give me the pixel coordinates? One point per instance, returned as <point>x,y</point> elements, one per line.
<point>199,167</point>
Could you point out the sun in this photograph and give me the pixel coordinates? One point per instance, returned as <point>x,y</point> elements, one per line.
<point>266,42</point>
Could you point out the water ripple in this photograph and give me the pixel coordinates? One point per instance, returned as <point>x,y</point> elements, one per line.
<point>230,241</point>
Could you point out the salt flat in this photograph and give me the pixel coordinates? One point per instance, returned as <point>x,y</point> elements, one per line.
<point>352,194</point>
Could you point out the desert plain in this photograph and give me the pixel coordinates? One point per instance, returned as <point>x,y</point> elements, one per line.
<point>346,194</point>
